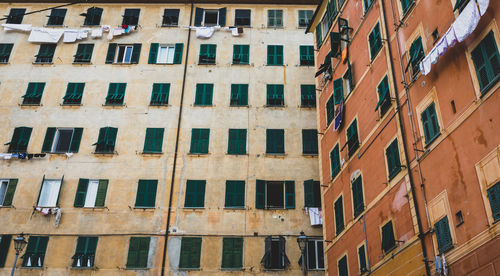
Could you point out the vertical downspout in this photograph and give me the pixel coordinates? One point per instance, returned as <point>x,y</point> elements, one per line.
<point>176,145</point>
<point>403,136</point>
<point>366,246</point>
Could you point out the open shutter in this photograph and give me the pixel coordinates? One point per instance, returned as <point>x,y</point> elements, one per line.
<point>309,193</point>
<point>283,252</point>
<point>4,248</point>
<point>266,259</point>
<point>15,139</point>
<point>338,90</point>
<point>153,53</point>
<point>49,139</point>
<point>59,192</point>
<point>110,56</point>
<point>9,194</point>
<point>198,17</point>
<point>289,194</point>
<point>81,192</point>
<point>494,198</point>
<point>100,198</point>
<point>75,141</point>
<point>222,17</point>
<point>92,245</point>
<point>111,136</point>
<point>260,195</point>
<point>40,191</point>
<point>178,53</point>
<point>136,53</point>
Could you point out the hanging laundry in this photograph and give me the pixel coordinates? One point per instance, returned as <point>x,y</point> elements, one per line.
<point>45,35</point>
<point>315,216</point>
<point>45,211</point>
<point>70,36</point>
<point>96,33</point>
<point>5,156</point>
<point>483,6</point>
<point>17,27</point>
<point>338,116</point>
<point>438,264</point>
<point>22,156</point>
<point>58,213</point>
<point>204,32</point>
<point>467,21</point>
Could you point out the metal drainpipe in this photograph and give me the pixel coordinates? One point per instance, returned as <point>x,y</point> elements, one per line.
<point>176,145</point>
<point>366,246</point>
<point>400,119</point>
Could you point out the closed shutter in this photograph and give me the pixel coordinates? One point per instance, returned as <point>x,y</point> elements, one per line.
<point>75,141</point>
<point>178,53</point>
<point>9,194</point>
<point>111,137</point>
<point>335,161</point>
<point>362,259</point>
<point>198,17</point>
<point>222,17</point>
<point>146,193</point>
<point>49,139</point>
<point>101,193</point>
<point>232,252</point>
<point>443,235</point>
<point>81,192</point>
<point>4,248</point>
<point>136,53</point>
<point>342,266</point>
<point>110,56</point>
<point>357,194</point>
<point>388,242</point>
<point>153,53</point>
<point>143,252</point>
<point>339,216</point>
<point>494,198</point>
<point>190,253</point>
<point>338,90</point>
<point>154,140</point>
<point>5,50</point>
<point>133,252</point>
<point>138,252</point>
<point>319,36</point>
<point>309,141</point>
<point>260,194</point>
<point>279,55</point>
<point>271,52</point>
<point>309,193</point>
<point>330,110</point>
<point>289,194</point>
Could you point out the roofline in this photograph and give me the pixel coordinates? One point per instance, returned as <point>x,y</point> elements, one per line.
<point>253,2</point>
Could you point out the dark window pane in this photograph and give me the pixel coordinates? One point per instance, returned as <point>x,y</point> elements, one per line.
<point>64,140</point>
<point>275,198</point>
<point>171,17</point>
<point>242,18</point>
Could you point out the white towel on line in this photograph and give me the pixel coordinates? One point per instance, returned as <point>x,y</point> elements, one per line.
<point>17,27</point>
<point>467,21</point>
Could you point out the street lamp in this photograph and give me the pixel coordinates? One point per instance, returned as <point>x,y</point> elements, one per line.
<point>19,244</point>
<point>302,241</point>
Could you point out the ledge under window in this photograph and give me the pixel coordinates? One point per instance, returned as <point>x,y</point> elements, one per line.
<point>105,153</point>
<point>275,154</point>
<point>152,152</point>
<point>71,104</point>
<point>82,63</point>
<point>23,104</point>
<point>198,154</point>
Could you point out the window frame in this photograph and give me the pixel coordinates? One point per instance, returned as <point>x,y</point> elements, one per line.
<point>116,94</point>
<point>169,48</point>
<point>308,149</point>
<point>234,195</point>
<point>51,191</point>
<point>203,21</point>
<point>6,52</point>
<point>306,51</point>
<point>204,94</point>
<point>239,95</point>
<point>308,96</point>
<point>362,269</point>
<point>132,18</point>
<point>267,259</point>
<point>307,20</point>
<point>340,259</point>
<point>484,88</point>
<point>242,17</point>
<point>53,136</point>
<point>89,251</point>
<point>393,148</point>
<point>208,56</point>
<point>275,95</point>
<point>146,194</point>
<point>162,93</point>
<point>84,53</point>
<point>11,15</point>
<point>383,104</point>
<point>165,16</point>
<point>153,141</point>
<point>83,197</point>
<point>45,53</point>
<point>375,46</point>
<point>273,20</point>
<point>273,148</point>
<point>93,16</point>
<point>124,58</point>
<point>39,253</point>
<point>356,209</point>
<point>387,250</point>
<point>244,58</point>
<point>263,193</point>
<point>357,144</point>
<point>316,254</point>
<point>335,173</point>
<point>20,140</point>
<point>58,14</point>
<point>105,145</point>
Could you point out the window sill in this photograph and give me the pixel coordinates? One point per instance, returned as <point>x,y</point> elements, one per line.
<point>310,154</point>
<point>232,269</point>
<point>55,26</point>
<point>193,208</point>
<point>308,106</point>
<point>105,153</point>
<point>159,105</point>
<point>275,65</point>
<point>82,63</point>
<point>143,208</point>
<point>243,64</point>
<point>275,27</point>
<point>189,269</point>
<point>151,153</point>
<point>306,65</point>
<point>275,154</point>
<point>198,154</point>
<point>234,208</point>
<point>23,104</point>
<point>234,105</point>
<point>163,63</point>
<point>83,268</point>
<point>42,63</point>
<point>232,154</point>
<point>71,104</point>
<point>5,207</point>
<point>169,26</point>
<point>100,208</point>
<point>122,63</point>
<point>4,63</point>
<point>389,250</point>
<point>207,64</point>
<point>275,106</point>
<point>32,267</point>
<point>203,105</point>
<point>114,105</point>
<point>428,144</point>
<point>137,268</point>
<point>488,87</point>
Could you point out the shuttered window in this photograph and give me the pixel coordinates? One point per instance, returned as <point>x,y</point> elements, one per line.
<point>384,97</point>
<point>241,54</point>
<point>170,17</point>
<point>339,215</point>
<point>34,93</point>
<point>416,55</point>
<point>106,140</point>
<point>232,252</point>
<point>123,54</point>
<point>160,94</point>
<point>154,140</point>
<point>309,141</point>
<point>275,253</point>
<point>210,17</point>
<point>138,252</point>
<point>35,251</point>
<point>74,93</point>
<point>362,259</point>
<point>61,140</point>
<point>56,17</point>
<point>131,17</point>
<point>85,252</point>
<point>338,90</point>
<point>335,161</point>
<point>190,253</point>
<point>235,194</point>
<point>93,17</point>
<point>352,138</point>
<point>274,55</point>
<point>306,55</point>
<point>393,161</point>
<point>275,141</point>
<point>15,16</point>
<point>204,92</point>
<point>242,18</point>
<point>5,50</point>
<point>406,4</point>
<point>146,193</point>
<point>84,53</point>
<point>195,194</point>
<point>307,95</point>
<point>375,40</point>
<point>49,193</point>
<point>20,139</point>
<point>342,266</point>
<point>275,194</point>
<point>305,17</point>
<point>274,18</point>
<point>45,53</point>
<point>486,60</point>
<point>116,93</point>
<point>357,196</point>
<point>275,95</point>
<point>443,235</point>
<point>7,191</point>
<point>165,53</point>
<point>388,241</point>
<point>91,193</point>
<point>319,36</point>
<point>237,141</point>
<point>239,95</point>
<point>430,124</point>
<point>312,194</point>
<point>494,198</point>
<point>200,138</point>
<point>330,110</point>
<point>207,54</point>
<point>4,248</point>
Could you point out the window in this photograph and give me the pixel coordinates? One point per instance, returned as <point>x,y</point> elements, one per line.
<point>207,53</point>
<point>93,16</point>
<point>393,162</point>
<point>204,93</point>
<point>49,193</point>
<point>275,95</point>
<point>305,17</point>
<point>138,252</point>
<point>406,4</point>
<point>275,141</point>
<point>34,93</point>
<point>91,193</point>
<point>375,40</point>
<point>384,97</point>
<point>486,60</point>
<point>199,140</point>
<point>242,18</point>
<point>241,54</point>
<point>443,235</point>
<point>312,194</point>
<point>190,253</point>
<point>7,190</point>
<point>319,36</point>
<point>274,18</point>
<point>56,17</point>
<point>146,193</point>
<point>165,53</point>
<point>314,255</point>
<point>309,141</point>
<point>357,196</point>
<point>275,194</point>
<point>35,251</point>
<point>20,139</point>
<point>330,110</point>
<point>416,55</point>
<point>15,16</point>
<point>339,215</point>
<point>342,266</point>
<point>235,194</point>
<point>430,124</point>
<point>106,140</point>
<point>388,241</point>
<point>335,161</point>
<point>85,252</point>
<point>131,17</point>
<point>5,50</point>
<point>195,194</point>
<point>307,95</point>
<point>362,259</point>
<point>352,138</point>
<point>154,140</point>
<point>348,81</point>
<point>45,53</point>
<point>170,17</point>
<point>275,255</point>
<point>338,91</point>
<point>84,53</point>
<point>239,95</point>
<point>232,253</point>
<point>61,140</point>
<point>116,93</point>
<point>210,17</point>
<point>325,26</point>
<point>160,94</point>
<point>74,93</point>
<point>368,4</point>
<point>237,141</point>
<point>494,198</point>
<point>123,54</point>
<point>274,54</point>
<point>4,248</point>
<point>306,55</point>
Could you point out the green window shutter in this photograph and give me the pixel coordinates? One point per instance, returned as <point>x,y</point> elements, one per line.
<point>357,194</point>
<point>74,93</point>
<point>5,50</point>
<point>309,193</point>
<point>160,93</point>
<point>75,141</point>
<point>20,139</point>
<point>319,36</point>
<point>84,52</point>
<point>352,138</point>
<point>279,55</point>
<point>260,194</point>
<point>275,141</point>
<point>232,252</point>
<point>49,139</point>
<point>9,194</point>
<point>81,192</point>
<point>494,198</point>
<point>430,123</point>
<point>143,252</point>
<point>91,245</point>
<point>443,235</point>
<point>335,161</point>
<point>362,259</point>
<point>289,194</point>
<point>136,53</point>
<point>237,141</point>
<point>384,97</point>
<point>486,60</point>
<point>239,95</point>
<point>342,266</point>
<point>204,93</point>
<point>110,56</point>
<point>393,160</point>
<point>153,53</point>
<point>235,194</point>
<point>275,95</point>
<point>146,193</point>
<point>178,53</point>
<point>308,95</point>
<point>4,248</point>
<point>274,55</point>
<point>140,200</point>
<point>80,246</point>
<point>388,241</point>
<point>190,252</point>
<point>195,194</point>
<point>34,93</point>
<point>309,141</point>
<point>133,252</point>
<point>42,245</point>
<point>330,110</point>
<point>100,198</point>
<point>339,215</point>
<point>111,137</point>
<point>199,140</point>
<point>406,4</point>
<point>375,41</point>
<point>138,252</point>
<point>306,55</point>
<point>154,140</point>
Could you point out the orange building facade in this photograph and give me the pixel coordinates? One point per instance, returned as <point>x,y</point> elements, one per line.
<point>408,110</point>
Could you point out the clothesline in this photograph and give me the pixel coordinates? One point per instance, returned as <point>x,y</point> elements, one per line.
<point>207,32</point>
